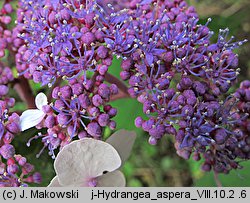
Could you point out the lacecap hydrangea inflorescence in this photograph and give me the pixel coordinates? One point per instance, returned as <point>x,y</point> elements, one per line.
<point>171,65</point>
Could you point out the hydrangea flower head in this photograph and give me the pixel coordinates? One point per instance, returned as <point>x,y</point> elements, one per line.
<point>169,62</point>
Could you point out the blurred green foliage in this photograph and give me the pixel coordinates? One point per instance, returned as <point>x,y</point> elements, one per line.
<point>159,165</point>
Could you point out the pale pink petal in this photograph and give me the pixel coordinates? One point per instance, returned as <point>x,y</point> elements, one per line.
<point>112,179</point>
<point>84,159</point>
<point>41,100</point>
<point>31,118</point>
<point>54,182</point>
<point>122,141</point>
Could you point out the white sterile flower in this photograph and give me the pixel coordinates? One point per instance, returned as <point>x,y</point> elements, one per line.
<point>89,162</point>
<point>33,117</point>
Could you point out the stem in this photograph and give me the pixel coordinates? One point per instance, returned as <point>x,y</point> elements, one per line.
<point>217,180</point>
<point>25,92</point>
<point>120,95</point>
<point>122,87</point>
<point>2,64</point>
<point>94,77</point>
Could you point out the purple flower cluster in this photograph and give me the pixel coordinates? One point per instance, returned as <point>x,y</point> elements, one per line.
<point>168,59</point>
<point>180,77</point>
<point>15,171</point>
<point>8,35</point>
<point>61,42</point>
<point>79,111</point>
<point>213,130</point>
<point>80,106</point>
<point>5,34</point>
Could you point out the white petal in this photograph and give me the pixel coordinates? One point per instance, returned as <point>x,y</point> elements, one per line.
<point>31,118</point>
<point>54,182</point>
<point>84,159</point>
<point>112,179</point>
<point>41,100</point>
<point>122,141</point>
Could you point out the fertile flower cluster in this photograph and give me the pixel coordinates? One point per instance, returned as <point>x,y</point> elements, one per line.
<point>76,104</point>
<point>62,42</point>
<point>79,111</point>
<point>171,65</point>
<point>167,58</point>
<point>5,34</point>
<point>213,130</point>
<point>15,171</point>
<point>8,35</point>
<point>180,77</point>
